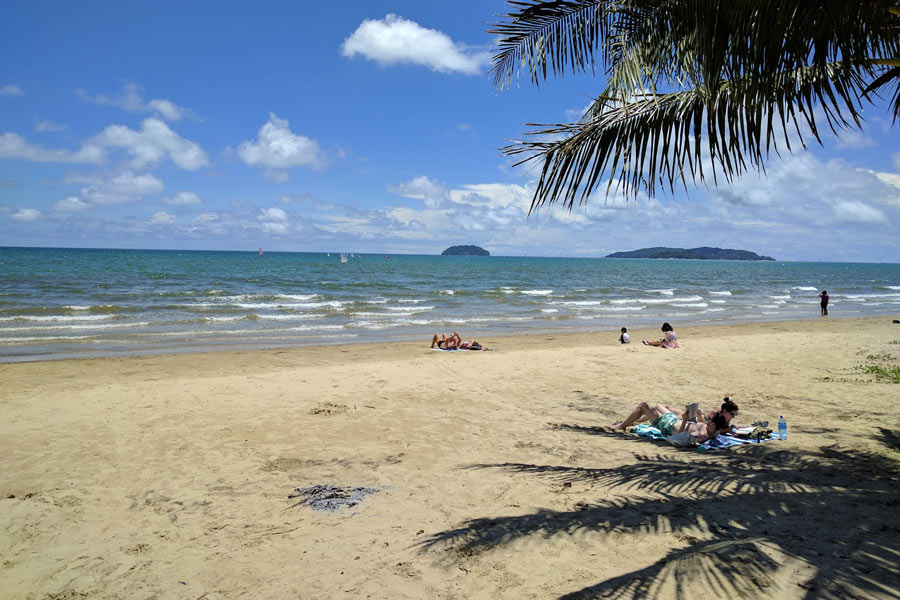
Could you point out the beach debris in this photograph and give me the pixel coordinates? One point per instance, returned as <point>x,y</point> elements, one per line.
<point>329,498</point>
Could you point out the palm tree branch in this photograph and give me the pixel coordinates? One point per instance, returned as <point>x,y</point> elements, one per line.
<point>661,136</point>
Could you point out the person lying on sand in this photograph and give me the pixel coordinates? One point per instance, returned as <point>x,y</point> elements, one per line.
<point>446,342</point>
<point>728,410</point>
<point>669,422</point>
<point>454,342</point>
<point>661,416</point>
<point>697,432</point>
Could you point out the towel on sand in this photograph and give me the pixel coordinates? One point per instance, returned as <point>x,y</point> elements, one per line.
<point>718,442</point>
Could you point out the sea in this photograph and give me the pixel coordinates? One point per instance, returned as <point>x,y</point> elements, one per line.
<point>58,303</point>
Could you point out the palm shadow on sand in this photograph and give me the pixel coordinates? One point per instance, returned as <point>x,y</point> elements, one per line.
<point>835,509</point>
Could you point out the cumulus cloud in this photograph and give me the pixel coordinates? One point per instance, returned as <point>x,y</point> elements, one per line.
<point>858,212</point>
<point>395,40</point>
<point>72,204</point>
<point>11,90</point>
<point>13,145</point>
<point>277,148</point>
<point>182,199</point>
<point>153,143</point>
<point>274,220</point>
<point>162,218</point>
<point>124,188</point>
<point>26,215</point>
<point>422,188</point>
<point>131,99</point>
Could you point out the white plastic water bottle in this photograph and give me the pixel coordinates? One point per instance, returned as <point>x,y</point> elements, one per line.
<point>782,428</point>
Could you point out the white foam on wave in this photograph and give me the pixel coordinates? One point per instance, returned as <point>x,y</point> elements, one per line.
<point>805,288</point>
<point>583,302</point>
<point>76,307</point>
<point>719,293</point>
<point>893,287</point>
<point>549,310</point>
<point>446,292</point>
<point>718,301</point>
<point>409,308</point>
<point>781,297</point>
<point>536,292</point>
<point>62,318</point>
<point>282,317</point>
<point>695,304</point>
<point>78,327</point>
<point>670,292</point>
<point>867,296</point>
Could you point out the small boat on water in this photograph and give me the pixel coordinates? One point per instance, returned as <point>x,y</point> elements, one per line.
<point>343,257</point>
<point>261,253</point>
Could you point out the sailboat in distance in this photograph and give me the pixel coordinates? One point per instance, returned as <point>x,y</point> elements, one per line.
<point>343,257</point>
<point>261,253</point>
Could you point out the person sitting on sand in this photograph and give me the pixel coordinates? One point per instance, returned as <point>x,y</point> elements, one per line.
<point>670,340</point>
<point>446,342</point>
<point>625,338</point>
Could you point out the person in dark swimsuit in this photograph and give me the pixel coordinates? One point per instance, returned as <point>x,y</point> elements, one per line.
<point>824,302</point>
<point>446,342</point>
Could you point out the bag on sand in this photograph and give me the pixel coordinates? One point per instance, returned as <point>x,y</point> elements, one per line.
<point>682,440</point>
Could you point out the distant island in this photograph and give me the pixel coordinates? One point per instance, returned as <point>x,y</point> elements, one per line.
<point>465,251</point>
<point>705,253</point>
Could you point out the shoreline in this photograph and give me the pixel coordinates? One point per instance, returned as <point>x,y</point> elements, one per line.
<point>491,474</point>
<point>647,333</point>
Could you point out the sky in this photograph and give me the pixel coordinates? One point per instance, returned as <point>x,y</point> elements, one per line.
<point>360,127</point>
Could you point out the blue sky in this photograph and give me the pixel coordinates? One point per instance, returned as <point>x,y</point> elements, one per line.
<point>363,127</point>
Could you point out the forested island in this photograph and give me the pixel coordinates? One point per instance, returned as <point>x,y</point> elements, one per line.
<point>465,251</point>
<point>705,253</point>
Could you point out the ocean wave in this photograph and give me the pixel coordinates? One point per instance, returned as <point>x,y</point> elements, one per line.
<point>77,327</point>
<point>720,293</point>
<point>42,319</point>
<point>536,292</point>
<point>805,288</point>
<point>665,292</point>
<point>549,310</point>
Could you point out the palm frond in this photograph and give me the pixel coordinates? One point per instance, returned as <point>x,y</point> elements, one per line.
<point>668,137</point>
<point>688,76</point>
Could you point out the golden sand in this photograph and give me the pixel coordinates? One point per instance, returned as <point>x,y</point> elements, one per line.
<point>170,476</point>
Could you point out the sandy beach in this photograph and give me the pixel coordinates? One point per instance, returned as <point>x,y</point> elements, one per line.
<point>489,474</point>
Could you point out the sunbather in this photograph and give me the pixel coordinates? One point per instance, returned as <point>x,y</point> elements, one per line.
<point>661,416</point>
<point>445,341</point>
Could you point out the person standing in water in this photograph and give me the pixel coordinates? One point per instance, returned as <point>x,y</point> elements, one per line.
<point>824,302</point>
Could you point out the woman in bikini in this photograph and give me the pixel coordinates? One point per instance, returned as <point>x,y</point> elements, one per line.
<point>446,342</point>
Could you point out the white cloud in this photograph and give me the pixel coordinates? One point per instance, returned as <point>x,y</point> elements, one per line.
<point>154,142</point>
<point>858,212</point>
<point>273,214</point>
<point>162,218</point>
<point>26,215</point>
<point>422,188</point>
<point>13,145</point>
<point>277,148</point>
<point>395,40</point>
<point>72,204</point>
<point>49,126</point>
<point>11,90</point>
<point>274,220</point>
<point>182,199</point>
<point>131,100</point>
<point>123,188</point>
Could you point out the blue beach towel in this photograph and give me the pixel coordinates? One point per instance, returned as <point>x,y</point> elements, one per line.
<point>717,443</point>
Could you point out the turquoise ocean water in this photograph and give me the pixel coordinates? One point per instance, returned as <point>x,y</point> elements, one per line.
<point>60,303</point>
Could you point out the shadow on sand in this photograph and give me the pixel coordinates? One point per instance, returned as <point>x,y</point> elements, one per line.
<point>836,510</point>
